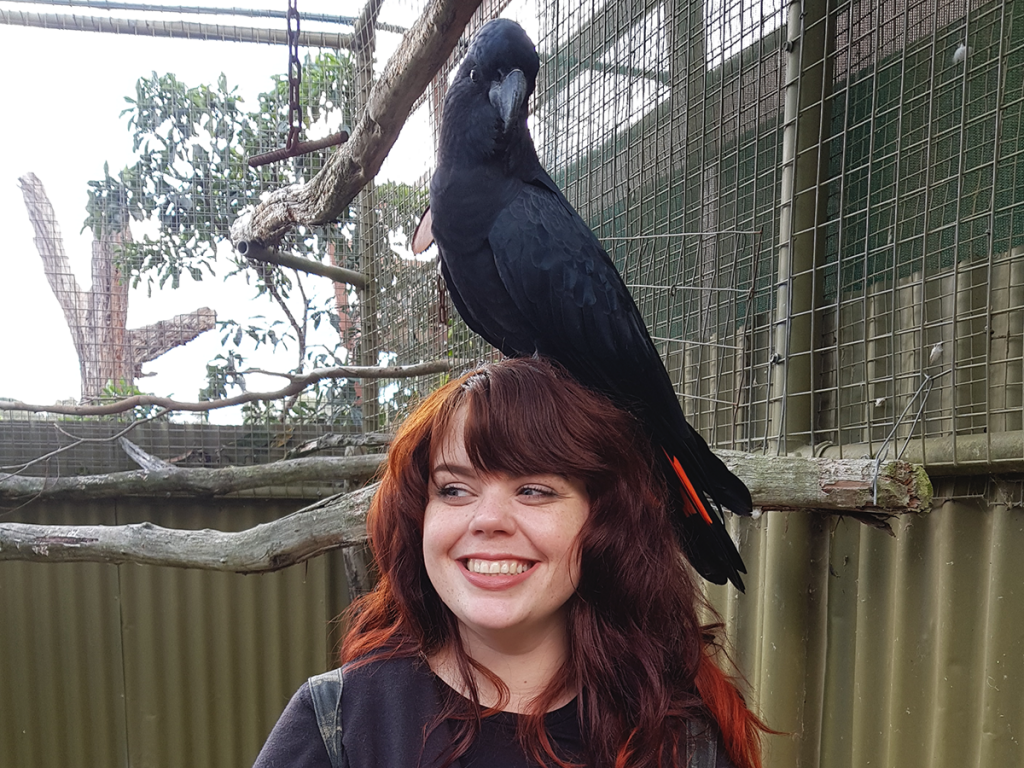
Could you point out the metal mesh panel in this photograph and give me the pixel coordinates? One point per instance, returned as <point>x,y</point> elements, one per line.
<point>661,123</point>
<point>922,277</point>
<point>856,285</point>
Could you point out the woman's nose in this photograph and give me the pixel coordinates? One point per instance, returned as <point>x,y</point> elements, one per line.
<point>493,514</point>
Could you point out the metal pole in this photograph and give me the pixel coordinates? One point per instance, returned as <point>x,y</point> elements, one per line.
<point>802,214</point>
<point>183,29</point>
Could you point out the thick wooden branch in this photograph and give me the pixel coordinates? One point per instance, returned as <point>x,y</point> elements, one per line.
<point>425,47</point>
<point>338,521</point>
<point>777,483</point>
<point>151,341</point>
<point>334,440</point>
<point>296,385</point>
<point>835,485</point>
<point>190,481</point>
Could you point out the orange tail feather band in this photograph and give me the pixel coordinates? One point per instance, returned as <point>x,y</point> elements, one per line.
<point>692,497</point>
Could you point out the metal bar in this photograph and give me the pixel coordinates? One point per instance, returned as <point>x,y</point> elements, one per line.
<point>996,453</point>
<point>370,343</point>
<point>174,29</point>
<point>797,286</point>
<point>253,13</point>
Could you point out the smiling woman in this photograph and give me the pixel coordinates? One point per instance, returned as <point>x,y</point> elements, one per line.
<point>533,606</point>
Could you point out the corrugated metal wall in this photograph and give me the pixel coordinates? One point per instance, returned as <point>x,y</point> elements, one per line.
<point>866,649</point>
<point>104,665</point>
<point>878,650</point>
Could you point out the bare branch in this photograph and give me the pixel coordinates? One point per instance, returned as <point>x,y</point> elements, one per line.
<point>50,244</point>
<point>150,341</point>
<point>81,440</point>
<point>256,252</point>
<point>326,442</point>
<point>834,485</point>
<point>338,521</point>
<point>147,461</point>
<point>192,481</point>
<point>423,50</point>
<point>297,384</point>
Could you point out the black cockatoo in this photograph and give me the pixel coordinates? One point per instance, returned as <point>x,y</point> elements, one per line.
<point>527,274</point>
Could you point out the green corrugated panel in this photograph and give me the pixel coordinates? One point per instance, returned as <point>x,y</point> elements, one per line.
<point>209,659</point>
<point>61,685</point>
<point>903,651</point>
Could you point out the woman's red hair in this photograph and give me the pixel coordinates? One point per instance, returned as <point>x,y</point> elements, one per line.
<point>639,659</point>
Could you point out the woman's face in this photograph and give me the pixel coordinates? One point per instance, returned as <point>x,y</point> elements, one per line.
<point>501,551</point>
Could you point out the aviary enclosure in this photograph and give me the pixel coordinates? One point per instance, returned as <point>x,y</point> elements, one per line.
<point>819,207</point>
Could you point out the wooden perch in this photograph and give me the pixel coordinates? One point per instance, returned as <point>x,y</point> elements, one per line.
<point>256,252</point>
<point>425,47</point>
<point>833,485</point>
<point>190,481</point>
<point>840,486</point>
<point>338,521</point>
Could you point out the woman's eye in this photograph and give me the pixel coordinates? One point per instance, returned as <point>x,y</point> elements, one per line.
<point>534,490</point>
<point>451,491</point>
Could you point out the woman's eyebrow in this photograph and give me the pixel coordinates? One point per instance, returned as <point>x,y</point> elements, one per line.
<point>454,469</point>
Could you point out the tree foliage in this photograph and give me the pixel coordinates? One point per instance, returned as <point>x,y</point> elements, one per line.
<point>191,176</point>
<point>188,184</point>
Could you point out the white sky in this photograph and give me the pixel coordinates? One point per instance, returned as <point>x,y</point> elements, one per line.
<point>63,93</point>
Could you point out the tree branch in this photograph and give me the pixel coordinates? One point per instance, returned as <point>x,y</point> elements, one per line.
<point>338,521</point>
<point>834,485</point>
<point>72,299</point>
<point>256,252</point>
<point>150,341</point>
<point>785,483</point>
<point>425,47</point>
<point>191,481</point>
<point>335,440</point>
<point>297,384</point>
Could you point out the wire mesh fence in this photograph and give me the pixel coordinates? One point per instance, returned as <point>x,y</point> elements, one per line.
<point>820,215</point>
<point>661,122</point>
<point>921,272</point>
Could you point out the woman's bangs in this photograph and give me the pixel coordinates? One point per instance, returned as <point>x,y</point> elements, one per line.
<point>525,433</point>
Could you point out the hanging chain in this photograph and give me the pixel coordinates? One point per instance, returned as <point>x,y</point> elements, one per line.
<point>294,77</point>
<point>293,147</point>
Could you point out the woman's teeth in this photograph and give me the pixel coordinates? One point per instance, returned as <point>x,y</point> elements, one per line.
<point>497,566</point>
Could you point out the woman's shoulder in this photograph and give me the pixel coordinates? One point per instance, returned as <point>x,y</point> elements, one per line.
<point>381,702</point>
<point>295,740</point>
